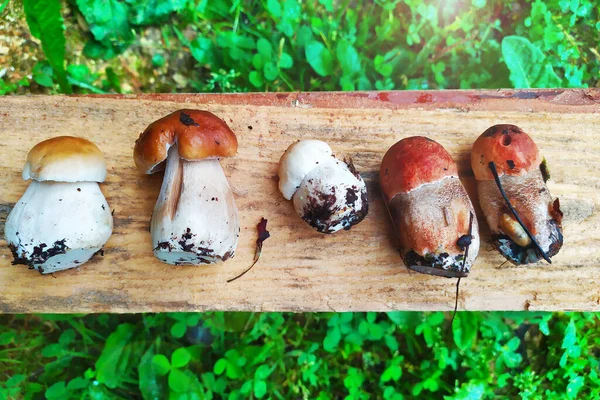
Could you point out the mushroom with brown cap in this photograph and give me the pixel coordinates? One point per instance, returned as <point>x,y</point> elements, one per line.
<point>524,220</point>
<point>328,194</point>
<point>195,219</point>
<point>63,219</point>
<point>429,207</point>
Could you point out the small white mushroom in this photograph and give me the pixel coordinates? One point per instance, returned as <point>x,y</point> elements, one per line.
<point>63,219</point>
<point>195,219</point>
<point>327,193</point>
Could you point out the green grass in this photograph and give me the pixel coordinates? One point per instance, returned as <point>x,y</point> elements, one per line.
<point>186,46</point>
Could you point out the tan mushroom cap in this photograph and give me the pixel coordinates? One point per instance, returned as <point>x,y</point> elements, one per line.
<point>65,159</point>
<point>198,135</point>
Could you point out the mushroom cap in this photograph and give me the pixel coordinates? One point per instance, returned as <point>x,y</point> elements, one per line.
<point>298,160</point>
<point>198,135</point>
<point>511,149</point>
<point>412,162</point>
<point>65,159</point>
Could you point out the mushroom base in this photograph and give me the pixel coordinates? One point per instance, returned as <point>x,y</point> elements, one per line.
<point>195,219</point>
<point>437,265</point>
<point>58,225</point>
<point>541,214</point>
<point>431,222</point>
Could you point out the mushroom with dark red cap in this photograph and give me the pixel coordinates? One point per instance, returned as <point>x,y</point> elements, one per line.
<point>429,207</point>
<point>328,194</point>
<point>195,219</point>
<point>63,219</point>
<point>524,220</point>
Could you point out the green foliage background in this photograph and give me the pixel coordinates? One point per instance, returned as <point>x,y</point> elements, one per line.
<point>221,45</point>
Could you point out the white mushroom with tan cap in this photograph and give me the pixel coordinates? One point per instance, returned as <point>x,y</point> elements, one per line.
<point>327,193</point>
<point>195,219</point>
<point>63,219</point>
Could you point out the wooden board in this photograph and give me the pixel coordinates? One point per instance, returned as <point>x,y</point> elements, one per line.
<point>300,269</point>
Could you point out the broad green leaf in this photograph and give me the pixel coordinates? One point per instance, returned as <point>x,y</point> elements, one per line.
<point>270,71</point>
<point>264,48</point>
<point>150,385</point>
<point>161,364</point>
<point>67,337</point>
<point>178,381</point>
<point>391,373</point>
<point>109,24</point>
<point>574,386</point>
<point>146,12</point>
<point>202,50</point>
<point>328,4</point>
<point>286,61</point>
<point>180,358</point>
<point>527,64</point>
<point>15,380</point>
<point>111,365</point>
<point>332,339</point>
<point>274,8</point>
<point>6,338</point>
<point>319,58</point>
<point>256,79</point>
<point>56,391</point>
<point>77,383</point>
<point>260,388</point>
<point>348,57</point>
<point>304,36</point>
<point>464,329</point>
<point>46,23</point>
<point>220,366</point>
<point>178,329</point>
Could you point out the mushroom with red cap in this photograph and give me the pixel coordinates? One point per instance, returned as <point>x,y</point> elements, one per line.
<point>429,207</point>
<point>195,219</point>
<point>63,219</point>
<point>524,220</point>
<point>328,194</point>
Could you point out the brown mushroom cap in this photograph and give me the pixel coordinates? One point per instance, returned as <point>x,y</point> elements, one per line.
<point>65,159</point>
<point>198,135</point>
<point>511,149</point>
<point>412,162</point>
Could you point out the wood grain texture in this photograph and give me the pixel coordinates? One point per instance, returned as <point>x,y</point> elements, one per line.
<point>300,269</point>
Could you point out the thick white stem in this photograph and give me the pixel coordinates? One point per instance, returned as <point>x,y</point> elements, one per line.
<point>58,225</point>
<point>195,220</point>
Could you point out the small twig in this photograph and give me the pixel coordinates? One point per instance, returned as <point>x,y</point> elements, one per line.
<point>492,167</point>
<point>455,303</point>
<point>263,234</point>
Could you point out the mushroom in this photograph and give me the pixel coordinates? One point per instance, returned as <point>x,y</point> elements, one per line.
<point>429,207</point>
<point>195,219</point>
<point>525,221</point>
<point>328,194</point>
<point>63,219</point>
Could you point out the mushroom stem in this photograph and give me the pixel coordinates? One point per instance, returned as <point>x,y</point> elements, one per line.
<point>195,220</point>
<point>58,225</point>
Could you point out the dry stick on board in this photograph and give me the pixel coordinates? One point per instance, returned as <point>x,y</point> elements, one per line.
<point>466,254</point>
<point>492,167</point>
<point>263,234</point>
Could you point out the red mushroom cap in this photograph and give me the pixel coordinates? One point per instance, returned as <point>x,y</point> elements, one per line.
<point>198,135</point>
<point>412,162</point>
<point>511,149</point>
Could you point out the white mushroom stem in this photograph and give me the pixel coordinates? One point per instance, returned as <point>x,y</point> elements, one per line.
<point>195,220</point>
<point>58,225</point>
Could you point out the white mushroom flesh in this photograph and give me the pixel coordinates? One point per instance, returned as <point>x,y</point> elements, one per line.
<point>331,197</point>
<point>195,219</point>
<point>58,225</point>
